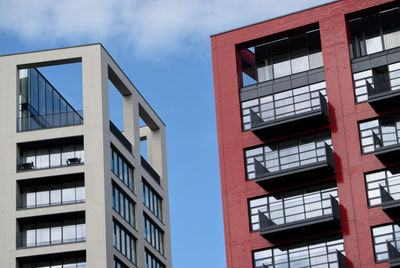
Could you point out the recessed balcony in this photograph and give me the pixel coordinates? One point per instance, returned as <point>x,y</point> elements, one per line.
<point>300,116</point>
<point>386,152</point>
<point>381,97</point>
<point>390,205</point>
<point>313,221</point>
<point>394,255</point>
<point>305,169</point>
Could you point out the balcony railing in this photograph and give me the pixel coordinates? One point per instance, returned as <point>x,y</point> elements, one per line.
<point>33,120</point>
<point>150,170</point>
<point>306,111</point>
<point>259,74</point>
<point>390,205</point>
<point>386,151</point>
<point>381,97</point>
<point>394,255</point>
<point>320,260</point>
<point>124,141</point>
<point>312,220</point>
<point>26,163</point>
<point>309,165</point>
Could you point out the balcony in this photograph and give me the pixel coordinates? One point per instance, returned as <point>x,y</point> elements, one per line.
<point>304,169</point>
<point>394,255</point>
<point>306,112</point>
<point>388,152</point>
<point>337,259</point>
<point>381,96</point>
<point>390,205</point>
<point>50,154</point>
<point>272,231</point>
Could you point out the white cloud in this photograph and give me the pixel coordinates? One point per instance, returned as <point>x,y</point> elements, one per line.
<point>154,28</point>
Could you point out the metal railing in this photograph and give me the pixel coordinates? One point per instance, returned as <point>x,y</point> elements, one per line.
<point>300,212</point>
<point>310,261</point>
<point>24,163</point>
<point>380,87</point>
<point>299,160</point>
<point>299,108</point>
<point>258,74</point>
<point>393,253</point>
<point>34,121</point>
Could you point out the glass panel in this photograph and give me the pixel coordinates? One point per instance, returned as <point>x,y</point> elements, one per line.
<point>55,157</point>
<point>69,231</point>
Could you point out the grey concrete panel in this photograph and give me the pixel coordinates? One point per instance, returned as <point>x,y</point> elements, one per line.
<point>379,61</point>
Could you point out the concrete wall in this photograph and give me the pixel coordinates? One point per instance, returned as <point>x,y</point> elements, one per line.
<point>97,68</point>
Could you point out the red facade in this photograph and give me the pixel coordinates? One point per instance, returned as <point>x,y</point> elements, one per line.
<point>344,112</point>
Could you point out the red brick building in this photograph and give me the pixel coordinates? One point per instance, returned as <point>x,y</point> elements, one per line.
<point>308,121</point>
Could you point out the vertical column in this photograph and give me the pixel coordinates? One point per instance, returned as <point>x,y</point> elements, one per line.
<point>8,156</point>
<point>97,158</point>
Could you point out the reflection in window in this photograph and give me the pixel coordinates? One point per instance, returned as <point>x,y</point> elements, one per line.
<point>293,206</point>
<point>377,82</point>
<point>51,194</point>
<point>375,32</point>
<point>321,253</point>
<point>118,263</point>
<point>49,233</point>
<point>153,234</point>
<point>382,234</point>
<point>151,261</point>
<point>124,242</point>
<point>41,106</point>
<point>122,168</point>
<point>152,200</point>
<point>289,154</point>
<point>389,180</point>
<point>282,57</point>
<point>284,104</point>
<point>123,205</point>
<point>381,132</point>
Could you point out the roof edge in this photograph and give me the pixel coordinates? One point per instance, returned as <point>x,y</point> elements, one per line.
<point>274,18</point>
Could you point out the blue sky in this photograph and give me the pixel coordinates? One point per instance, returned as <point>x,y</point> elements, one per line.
<point>163,46</point>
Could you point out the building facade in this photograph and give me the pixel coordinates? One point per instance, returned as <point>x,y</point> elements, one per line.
<point>308,124</point>
<point>76,191</point>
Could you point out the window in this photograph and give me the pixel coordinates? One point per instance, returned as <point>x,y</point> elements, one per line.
<point>122,168</point>
<point>51,233</point>
<point>123,205</point>
<point>293,206</point>
<point>375,32</point>
<point>124,242</point>
<point>282,57</point>
<point>288,154</point>
<point>284,104</point>
<point>51,194</point>
<point>375,81</point>
<point>151,261</point>
<point>41,105</point>
<point>321,253</point>
<point>389,180</point>
<point>153,234</point>
<point>118,263</point>
<point>384,233</point>
<point>380,132</point>
<point>152,200</point>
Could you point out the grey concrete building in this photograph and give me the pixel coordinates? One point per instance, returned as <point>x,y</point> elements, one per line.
<point>75,190</point>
